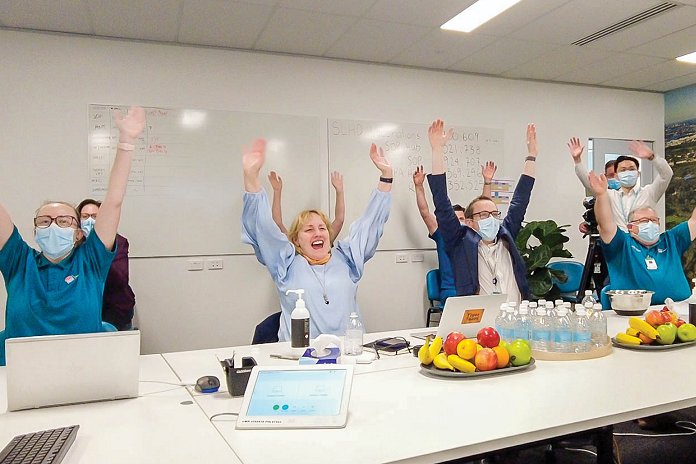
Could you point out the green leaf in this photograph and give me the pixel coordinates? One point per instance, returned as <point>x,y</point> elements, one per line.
<point>522,239</point>
<point>538,257</point>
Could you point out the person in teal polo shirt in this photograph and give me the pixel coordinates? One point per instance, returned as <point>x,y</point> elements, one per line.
<point>643,258</point>
<point>58,290</point>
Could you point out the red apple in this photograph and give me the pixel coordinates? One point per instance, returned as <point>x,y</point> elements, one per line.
<point>680,322</point>
<point>486,359</point>
<point>488,337</point>
<point>452,341</point>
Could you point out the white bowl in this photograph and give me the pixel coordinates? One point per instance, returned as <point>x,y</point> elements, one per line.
<point>630,302</point>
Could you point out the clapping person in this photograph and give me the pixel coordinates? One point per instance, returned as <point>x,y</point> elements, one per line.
<point>58,290</point>
<point>483,254</point>
<point>307,257</point>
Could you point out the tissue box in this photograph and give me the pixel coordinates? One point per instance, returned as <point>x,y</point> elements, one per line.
<point>331,358</point>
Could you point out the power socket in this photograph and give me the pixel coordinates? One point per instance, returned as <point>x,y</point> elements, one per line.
<point>402,258</point>
<point>214,264</point>
<point>195,265</point>
<point>417,257</point>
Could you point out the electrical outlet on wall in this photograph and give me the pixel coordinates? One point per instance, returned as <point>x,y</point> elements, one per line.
<point>401,258</point>
<point>417,257</point>
<point>195,265</point>
<point>214,264</point>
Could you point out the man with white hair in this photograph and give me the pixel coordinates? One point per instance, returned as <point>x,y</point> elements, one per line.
<point>643,258</point>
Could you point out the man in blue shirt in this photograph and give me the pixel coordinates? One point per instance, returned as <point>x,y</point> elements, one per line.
<point>484,257</point>
<point>643,258</point>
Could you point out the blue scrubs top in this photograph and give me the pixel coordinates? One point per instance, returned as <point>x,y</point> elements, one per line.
<point>628,269</point>
<point>447,288</point>
<point>44,298</point>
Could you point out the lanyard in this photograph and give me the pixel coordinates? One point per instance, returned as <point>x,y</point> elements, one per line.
<point>492,256</point>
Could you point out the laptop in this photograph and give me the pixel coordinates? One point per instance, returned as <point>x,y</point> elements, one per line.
<point>297,397</point>
<point>466,314</point>
<point>64,369</point>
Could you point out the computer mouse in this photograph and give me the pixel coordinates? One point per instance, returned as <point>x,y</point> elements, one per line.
<point>208,384</point>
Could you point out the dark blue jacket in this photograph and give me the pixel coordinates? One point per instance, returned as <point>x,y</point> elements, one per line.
<point>461,243</point>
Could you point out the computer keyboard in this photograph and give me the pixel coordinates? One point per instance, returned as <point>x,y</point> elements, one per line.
<point>44,447</point>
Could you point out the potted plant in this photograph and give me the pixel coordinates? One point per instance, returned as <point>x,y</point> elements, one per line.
<point>548,242</point>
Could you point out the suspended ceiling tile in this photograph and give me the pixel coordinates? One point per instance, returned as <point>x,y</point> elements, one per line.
<point>340,7</point>
<point>440,49</point>
<point>47,15</point>
<point>136,19</point>
<point>555,63</point>
<point>502,55</point>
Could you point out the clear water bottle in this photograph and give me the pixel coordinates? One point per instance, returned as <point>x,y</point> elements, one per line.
<point>500,321</point>
<point>563,331</point>
<point>550,311</point>
<point>598,327</point>
<point>533,305</point>
<point>582,337</point>
<point>523,326</point>
<point>509,324</point>
<point>353,341</point>
<point>588,299</point>
<point>541,331</point>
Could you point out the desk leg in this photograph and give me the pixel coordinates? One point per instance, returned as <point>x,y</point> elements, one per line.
<point>605,445</point>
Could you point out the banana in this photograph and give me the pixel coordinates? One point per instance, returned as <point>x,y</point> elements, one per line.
<point>435,347</point>
<point>424,355</point>
<point>627,339</point>
<point>441,362</point>
<point>643,327</point>
<point>632,332</point>
<point>460,364</point>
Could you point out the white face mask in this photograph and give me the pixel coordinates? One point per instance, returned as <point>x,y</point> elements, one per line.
<point>489,227</point>
<point>55,242</point>
<point>628,178</point>
<point>87,225</point>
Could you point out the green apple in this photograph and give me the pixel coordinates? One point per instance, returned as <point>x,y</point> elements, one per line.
<point>666,333</point>
<point>520,353</point>
<point>686,332</point>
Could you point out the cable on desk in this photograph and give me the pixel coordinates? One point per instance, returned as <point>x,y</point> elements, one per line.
<point>223,414</point>
<point>686,425</point>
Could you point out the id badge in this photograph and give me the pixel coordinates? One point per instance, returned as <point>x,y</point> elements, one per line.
<point>650,263</point>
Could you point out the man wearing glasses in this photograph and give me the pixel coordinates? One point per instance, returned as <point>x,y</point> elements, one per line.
<point>643,258</point>
<point>483,253</point>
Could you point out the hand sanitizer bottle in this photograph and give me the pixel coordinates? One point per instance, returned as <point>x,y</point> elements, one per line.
<point>299,324</point>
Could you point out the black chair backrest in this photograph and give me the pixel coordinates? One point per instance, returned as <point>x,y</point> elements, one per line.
<point>267,330</point>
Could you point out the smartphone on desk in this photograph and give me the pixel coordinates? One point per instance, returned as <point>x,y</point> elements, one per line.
<point>389,346</point>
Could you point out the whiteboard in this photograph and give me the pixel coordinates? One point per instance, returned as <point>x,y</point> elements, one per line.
<point>406,146</point>
<point>185,189</point>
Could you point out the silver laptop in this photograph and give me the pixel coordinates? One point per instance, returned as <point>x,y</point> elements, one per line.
<point>63,369</point>
<point>466,314</point>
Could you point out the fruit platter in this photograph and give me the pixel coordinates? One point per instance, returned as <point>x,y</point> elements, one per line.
<point>461,357</point>
<point>659,330</point>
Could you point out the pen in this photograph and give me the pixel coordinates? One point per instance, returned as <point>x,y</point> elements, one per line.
<point>284,356</point>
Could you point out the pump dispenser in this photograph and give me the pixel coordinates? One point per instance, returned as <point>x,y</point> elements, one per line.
<point>299,324</point>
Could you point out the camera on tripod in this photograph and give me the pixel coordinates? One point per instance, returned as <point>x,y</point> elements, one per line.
<point>589,215</point>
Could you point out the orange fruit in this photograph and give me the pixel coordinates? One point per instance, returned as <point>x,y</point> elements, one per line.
<point>466,349</point>
<point>503,356</point>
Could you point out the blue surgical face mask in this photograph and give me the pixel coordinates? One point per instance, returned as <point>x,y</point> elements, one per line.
<point>488,228</point>
<point>628,178</point>
<point>614,184</point>
<point>649,232</point>
<point>87,225</point>
<point>55,241</point>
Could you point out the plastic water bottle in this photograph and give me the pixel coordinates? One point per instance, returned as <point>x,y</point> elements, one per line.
<point>541,331</point>
<point>500,321</point>
<point>582,337</point>
<point>523,326</point>
<point>533,308</point>
<point>598,327</point>
<point>588,299</point>
<point>563,331</point>
<point>509,324</point>
<point>550,311</point>
<point>353,341</point>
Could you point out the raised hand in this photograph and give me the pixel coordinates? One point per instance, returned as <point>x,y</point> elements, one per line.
<point>253,157</point>
<point>377,157</point>
<point>640,149</point>
<point>130,126</point>
<point>532,149</point>
<point>276,181</point>
<point>337,181</point>
<point>575,148</point>
<point>488,171</point>
<point>419,176</point>
<point>437,135</point>
<point>598,183</point>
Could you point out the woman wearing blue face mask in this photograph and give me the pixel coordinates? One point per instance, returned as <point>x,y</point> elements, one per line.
<point>119,299</point>
<point>643,258</point>
<point>483,253</point>
<point>58,290</point>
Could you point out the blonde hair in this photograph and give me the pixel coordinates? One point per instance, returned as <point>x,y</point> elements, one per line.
<point>301,219</point>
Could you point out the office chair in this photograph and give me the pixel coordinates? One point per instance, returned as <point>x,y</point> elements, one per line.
<point>107,327</point>
<point>573,271</point>
<point>432,284</point>
<point>604,298</point>
<point>267,330</point>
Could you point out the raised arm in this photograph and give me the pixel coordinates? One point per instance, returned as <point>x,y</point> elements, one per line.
<point>692,225</point>
<point>532,151</point>
<point>487,172</point>
<point>576,148</point>
<point>386,172</point>
<point>664,171</point>
<point>277,185</point>
<point>605,219</point>
<point>6,226</point>
<point>109,216</point>
<point>340,207</point>
<point>253,158</point>
<point>422,203</point>
<point>438,138</point>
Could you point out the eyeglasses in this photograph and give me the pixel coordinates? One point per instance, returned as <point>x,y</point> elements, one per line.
<point>645,220</point>
<point>391,345</point>
<point>487,214</point>
<point>43,222</point>
<point>86,216</point>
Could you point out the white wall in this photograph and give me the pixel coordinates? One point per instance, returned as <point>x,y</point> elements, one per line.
<point>50,80</point>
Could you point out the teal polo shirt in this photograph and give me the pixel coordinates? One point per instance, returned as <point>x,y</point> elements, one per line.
<point>44,298</point>
<point>628,270</point>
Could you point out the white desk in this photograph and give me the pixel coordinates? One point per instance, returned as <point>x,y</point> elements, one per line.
<point>155,427</point>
